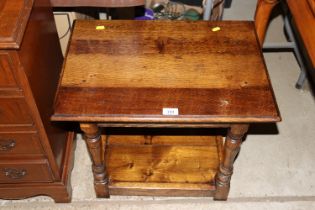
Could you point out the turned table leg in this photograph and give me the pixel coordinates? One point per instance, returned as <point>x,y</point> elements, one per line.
<point>231,148</point>
<point>92,136</point>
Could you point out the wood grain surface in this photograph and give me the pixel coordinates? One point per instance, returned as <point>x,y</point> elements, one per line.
<point>36,155</point>
<point>180,165</point>
<point>305,22</point>
<point>131,70</point>
<point>14,15</point>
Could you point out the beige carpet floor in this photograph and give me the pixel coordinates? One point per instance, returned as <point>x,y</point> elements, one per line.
<point>276,166</point>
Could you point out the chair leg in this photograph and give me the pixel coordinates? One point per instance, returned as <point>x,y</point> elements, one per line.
<point>301,80</point>
<point>207,10</point>
<point>302,76</point>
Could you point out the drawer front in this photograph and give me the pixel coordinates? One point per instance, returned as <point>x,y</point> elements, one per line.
<point>14,111</point>
<point>7,78</point>
<point>25,171</point>
<point>20,143</point>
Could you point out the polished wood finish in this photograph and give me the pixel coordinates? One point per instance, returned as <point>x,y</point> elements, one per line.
<point>60,191</point>
<point>231,149</point>
<point>126,73</point>
<point>305,22</point>
<point>96,3</point>
<point>262,15</point>
<point>168,56</point>
<point>176,165</point>
<point>13,112</point>
<point>33,150</point>
<point>18,171</point>
<point>14,17</point>
<point>7,79</point>
<point>26,143</point>
<point>311,3</point>
<point>92,137</point>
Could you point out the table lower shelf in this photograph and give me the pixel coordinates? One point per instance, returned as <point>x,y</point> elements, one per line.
<point>162,165</point>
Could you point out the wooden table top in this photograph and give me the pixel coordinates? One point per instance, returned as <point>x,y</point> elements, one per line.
<point>128,71</point>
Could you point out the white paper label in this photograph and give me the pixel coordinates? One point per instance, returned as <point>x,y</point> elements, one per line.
<point>170,111</point>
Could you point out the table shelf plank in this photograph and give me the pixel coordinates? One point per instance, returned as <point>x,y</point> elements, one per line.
<point>184,165</point>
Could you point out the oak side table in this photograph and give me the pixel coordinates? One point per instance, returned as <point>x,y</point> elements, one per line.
<point>151,95</point>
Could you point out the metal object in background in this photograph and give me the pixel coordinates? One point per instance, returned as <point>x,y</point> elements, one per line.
<point>69,23</point>
<point>227,3</point>
<point>292,44</point>
<point>207,9</point>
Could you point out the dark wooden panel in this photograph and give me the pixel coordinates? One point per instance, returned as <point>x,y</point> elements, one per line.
<point>36,155</point>
<point>17,129</point>
<point>162,140</point>
<point>60,191</point>
<point>14,111</point>
<point>163,136</point>
<point>18,171</point>
<point>141,104</point>
<point>41,64</point>
<point>20,144</point>
<point>7,79</point>
<point>14,17</point>
<point>164,125</point>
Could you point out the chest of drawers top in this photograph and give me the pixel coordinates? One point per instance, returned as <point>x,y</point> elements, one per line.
<point>14,15</point>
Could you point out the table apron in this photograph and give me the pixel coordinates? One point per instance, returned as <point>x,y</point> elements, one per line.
<point>165,125</point>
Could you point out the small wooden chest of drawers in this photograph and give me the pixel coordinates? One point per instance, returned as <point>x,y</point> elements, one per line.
<point>35,155</point>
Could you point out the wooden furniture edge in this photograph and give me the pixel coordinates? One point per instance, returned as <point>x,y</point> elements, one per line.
<point>60,191</point>
<point>262,14</point>
<point>158,119</point>
<point>15,41</point>
<point>206,191</point>
<point>306,33</point>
